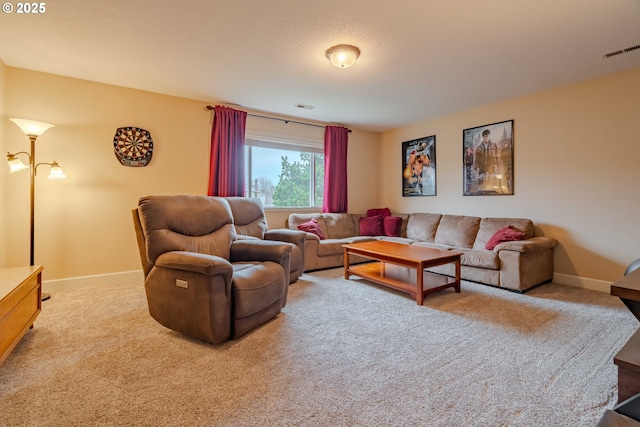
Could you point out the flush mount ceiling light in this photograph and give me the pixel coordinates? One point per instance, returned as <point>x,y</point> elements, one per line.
<point>343,55</point>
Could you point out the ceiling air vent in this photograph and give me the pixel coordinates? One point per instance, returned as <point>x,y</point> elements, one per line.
<point>621,51</point>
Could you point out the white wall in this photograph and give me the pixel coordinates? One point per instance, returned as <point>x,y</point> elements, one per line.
<point>3,175</point>
<point>83,223</point>
<point>577,169</point>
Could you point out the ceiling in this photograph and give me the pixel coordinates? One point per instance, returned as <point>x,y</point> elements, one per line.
<point>420,58</point>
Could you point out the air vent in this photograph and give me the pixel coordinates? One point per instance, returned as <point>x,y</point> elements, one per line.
<point>305,107</point>
<point>621,51</point>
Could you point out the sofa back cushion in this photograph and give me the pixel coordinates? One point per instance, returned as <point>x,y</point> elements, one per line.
<point>489,226</point>
<point>248,216</point>
<point>186,223</point>
<point>423,226</point>
<point>457,230</point>
<point>341,225</point>
<point>298,219</point>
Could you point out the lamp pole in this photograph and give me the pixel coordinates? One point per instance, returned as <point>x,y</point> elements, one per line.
<point>32,167</point>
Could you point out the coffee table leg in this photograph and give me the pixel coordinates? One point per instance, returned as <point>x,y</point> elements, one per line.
<point>457,286</point>
<point>346,264</point>
<point>420,285</point>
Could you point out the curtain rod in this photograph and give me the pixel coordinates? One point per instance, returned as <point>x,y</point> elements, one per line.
<point>211,107</point>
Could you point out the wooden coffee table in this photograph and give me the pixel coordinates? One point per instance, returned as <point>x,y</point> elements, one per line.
<point>402,267</point>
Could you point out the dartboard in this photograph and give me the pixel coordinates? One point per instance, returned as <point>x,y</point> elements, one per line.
<point>133,146</point>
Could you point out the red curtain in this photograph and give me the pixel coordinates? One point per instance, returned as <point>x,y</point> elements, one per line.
<point>335,169</point>
<point>226,163</point>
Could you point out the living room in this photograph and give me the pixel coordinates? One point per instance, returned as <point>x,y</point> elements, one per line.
<point>576,166</point>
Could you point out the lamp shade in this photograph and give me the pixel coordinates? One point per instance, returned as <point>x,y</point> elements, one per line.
<point>56,171</point>
<point>15,164</point>
<point>343,55</point>
<point>32,127</point>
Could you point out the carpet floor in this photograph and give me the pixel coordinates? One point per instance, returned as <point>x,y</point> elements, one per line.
<point>342,353</point>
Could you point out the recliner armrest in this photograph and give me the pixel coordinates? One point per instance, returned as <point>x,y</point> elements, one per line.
<point>296,237</point>
<point>209,265</point>
<point>259,250</point>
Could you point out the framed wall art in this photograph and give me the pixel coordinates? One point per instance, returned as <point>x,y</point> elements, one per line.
<point>488,160</point>
<point>419,167</point>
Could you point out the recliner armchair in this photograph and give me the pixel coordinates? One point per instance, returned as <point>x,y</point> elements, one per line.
<point>199,279</point>
<point>250,221</point>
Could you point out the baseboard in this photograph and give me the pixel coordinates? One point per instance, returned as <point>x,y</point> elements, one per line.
<point>102,279</point>
<point>52,286</point>
<point>582,282</point>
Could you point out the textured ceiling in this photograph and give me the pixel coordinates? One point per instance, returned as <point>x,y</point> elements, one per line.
<point>420,59</point>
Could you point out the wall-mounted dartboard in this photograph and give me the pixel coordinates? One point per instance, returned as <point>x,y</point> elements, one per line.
<point>133,146</point>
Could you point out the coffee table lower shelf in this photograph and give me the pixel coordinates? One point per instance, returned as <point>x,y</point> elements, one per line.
<point>402,278</point>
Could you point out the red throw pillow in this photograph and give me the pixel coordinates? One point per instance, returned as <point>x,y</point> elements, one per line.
<point>507,234</point>
<point>312,226</point>
<point>371,226</point>
<point>379,212</point>
<point>392,226</point>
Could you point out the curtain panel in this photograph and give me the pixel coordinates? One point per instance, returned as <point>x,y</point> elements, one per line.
<point>226,163</point>
<point>335,169</point>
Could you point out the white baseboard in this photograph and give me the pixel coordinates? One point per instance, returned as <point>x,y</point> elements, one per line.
<point>136,275</point>
<point>51,286</point>
<point>582,282</point>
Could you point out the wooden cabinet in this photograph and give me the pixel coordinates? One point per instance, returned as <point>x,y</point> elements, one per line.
<point>20,304</point>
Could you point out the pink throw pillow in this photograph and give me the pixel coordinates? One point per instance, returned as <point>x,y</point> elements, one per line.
<point>371,226</point>
<point>392,226</point>
<point>312,226</point>
<point>379,212</point>
<point>507,234</point>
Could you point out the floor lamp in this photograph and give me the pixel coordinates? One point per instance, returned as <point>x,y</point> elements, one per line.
<point>33,130</point>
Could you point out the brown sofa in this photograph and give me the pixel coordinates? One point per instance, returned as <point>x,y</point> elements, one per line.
<point>515,265</point>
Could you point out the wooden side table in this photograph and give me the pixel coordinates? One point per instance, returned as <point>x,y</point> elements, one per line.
<point>20,304</point>
<point>628,358</point>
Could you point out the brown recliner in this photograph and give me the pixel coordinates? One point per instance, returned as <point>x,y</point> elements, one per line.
<point>199,279</point>
<point>250,221</point>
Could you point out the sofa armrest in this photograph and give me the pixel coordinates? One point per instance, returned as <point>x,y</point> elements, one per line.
<point>532,244</point>
<point>209,265</point>
<point>296,237</point>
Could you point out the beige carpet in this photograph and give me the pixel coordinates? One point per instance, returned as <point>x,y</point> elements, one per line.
<point>342,353</point>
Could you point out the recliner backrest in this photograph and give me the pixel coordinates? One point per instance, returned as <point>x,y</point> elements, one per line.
<point>248,216</point>
<point>186,223</point>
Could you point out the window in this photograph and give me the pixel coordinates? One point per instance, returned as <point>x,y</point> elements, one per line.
<point>284,174</point>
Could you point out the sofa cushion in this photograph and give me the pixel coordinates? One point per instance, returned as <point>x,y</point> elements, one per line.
<point>457,230</point>
<point>339,226</point>
<point>480,258</point>
<point>392,226</point>
<point>423,226</point>
<point>379,211</point>
<point>312,226</point>
<point>507,234</point>
<point>489,226</point>
<point>330,247</point>
<point>371,226</point>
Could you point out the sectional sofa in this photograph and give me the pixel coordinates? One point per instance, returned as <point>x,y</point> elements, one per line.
<point>517,264</point>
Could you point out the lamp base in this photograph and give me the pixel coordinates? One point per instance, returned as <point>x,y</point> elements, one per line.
<point>45,296</point>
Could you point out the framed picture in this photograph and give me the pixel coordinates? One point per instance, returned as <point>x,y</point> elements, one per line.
<point>488,160</point>
<point>419,167</point>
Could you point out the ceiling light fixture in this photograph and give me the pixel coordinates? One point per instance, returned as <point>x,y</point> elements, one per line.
<point>343,55</point>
